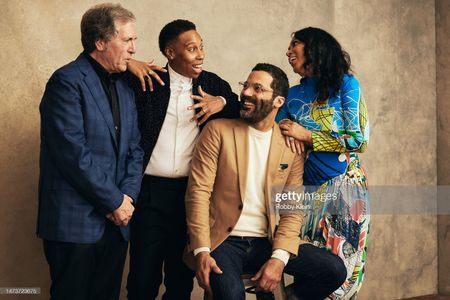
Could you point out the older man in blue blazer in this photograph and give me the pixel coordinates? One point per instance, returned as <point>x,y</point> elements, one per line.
<point>90,162</point>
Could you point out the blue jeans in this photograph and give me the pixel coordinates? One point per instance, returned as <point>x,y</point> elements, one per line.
<point>317,273</point>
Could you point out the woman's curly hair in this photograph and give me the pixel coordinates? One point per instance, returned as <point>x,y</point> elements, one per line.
<point>324,55</point>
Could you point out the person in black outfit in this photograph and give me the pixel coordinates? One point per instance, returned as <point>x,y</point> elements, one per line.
<point>170,117</point>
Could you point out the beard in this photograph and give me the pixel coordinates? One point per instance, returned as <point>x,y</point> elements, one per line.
<point>259,112</point>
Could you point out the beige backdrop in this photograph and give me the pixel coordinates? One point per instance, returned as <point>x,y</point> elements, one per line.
<point>392,45</point>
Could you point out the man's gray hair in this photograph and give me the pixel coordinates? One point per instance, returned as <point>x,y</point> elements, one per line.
<point>98,23</point>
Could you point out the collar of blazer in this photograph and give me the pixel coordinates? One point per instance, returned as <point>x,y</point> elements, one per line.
<point>276,153</point>
<point>94,85</point>
<point>162,93</point>
<point>196,82</point>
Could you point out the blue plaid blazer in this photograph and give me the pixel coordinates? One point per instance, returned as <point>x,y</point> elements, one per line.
<point>84,171</point>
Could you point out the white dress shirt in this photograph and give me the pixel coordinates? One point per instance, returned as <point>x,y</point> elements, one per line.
<point>172,154</point>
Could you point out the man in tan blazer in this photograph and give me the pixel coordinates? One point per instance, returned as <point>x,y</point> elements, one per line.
<point>243,202</point>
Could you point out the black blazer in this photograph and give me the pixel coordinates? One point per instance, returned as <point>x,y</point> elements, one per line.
<point>152,106</point>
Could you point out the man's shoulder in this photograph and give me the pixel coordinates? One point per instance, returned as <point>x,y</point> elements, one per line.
<point>220,130</point>
<point>159,90</point>
<point>224,124</point>
<point>69,70</point>
<point>208,74</point>
<point>210,77</point>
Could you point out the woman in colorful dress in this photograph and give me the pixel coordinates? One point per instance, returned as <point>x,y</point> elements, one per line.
<point>326,115</point>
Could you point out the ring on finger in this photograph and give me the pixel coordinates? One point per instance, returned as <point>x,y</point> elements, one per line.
<point>151,73</point>
<point>204,110</point>
<point>291,138</point>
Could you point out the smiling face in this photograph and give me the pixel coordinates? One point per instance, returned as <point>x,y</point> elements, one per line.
<point>296,57</point>
<point>114,54</point>
<point>257,97</point>
<point>186,54</point>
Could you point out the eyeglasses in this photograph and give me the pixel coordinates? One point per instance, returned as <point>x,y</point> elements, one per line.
<point>259,89</point>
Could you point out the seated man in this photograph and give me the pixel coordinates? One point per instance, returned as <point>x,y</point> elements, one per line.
<point>166,118</point>
<point>236,167</point>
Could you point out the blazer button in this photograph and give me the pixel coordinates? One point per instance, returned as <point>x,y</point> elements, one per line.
<point>240,206</point>
<point>230,229</point>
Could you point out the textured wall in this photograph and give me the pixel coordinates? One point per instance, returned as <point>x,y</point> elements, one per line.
<point>392,45</point>
<point>443,140</point>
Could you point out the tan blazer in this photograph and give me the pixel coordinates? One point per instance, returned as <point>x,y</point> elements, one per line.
<point>217,182</point>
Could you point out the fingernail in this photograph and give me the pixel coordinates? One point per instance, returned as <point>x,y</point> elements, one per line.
<point>189,108</point>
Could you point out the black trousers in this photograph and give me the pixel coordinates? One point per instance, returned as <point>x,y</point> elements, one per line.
<point>158,237</point>
<point>87,271</point>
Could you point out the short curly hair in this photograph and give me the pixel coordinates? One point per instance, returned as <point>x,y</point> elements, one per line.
<point>172,30</point>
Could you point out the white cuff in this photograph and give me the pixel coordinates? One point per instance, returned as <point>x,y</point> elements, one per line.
<point>282,255</point>
<point>201,249</point>
<point>223,99</point>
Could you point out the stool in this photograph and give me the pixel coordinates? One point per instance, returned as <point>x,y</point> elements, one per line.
<point>279,293</point>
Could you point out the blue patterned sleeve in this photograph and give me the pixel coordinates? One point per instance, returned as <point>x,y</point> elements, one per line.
<point>355,116</point>
<point>352,131</point>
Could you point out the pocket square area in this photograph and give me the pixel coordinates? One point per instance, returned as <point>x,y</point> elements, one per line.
<point>283,167</point>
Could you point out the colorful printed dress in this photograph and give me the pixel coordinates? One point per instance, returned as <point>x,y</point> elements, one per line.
<point>337,216</point>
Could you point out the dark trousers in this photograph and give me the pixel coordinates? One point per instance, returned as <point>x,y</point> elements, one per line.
<point>317,273</point>
<point>158,236</point>
<point>87,271</point>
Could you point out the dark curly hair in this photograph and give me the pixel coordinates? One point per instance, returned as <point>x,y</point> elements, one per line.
<point>327,59</point>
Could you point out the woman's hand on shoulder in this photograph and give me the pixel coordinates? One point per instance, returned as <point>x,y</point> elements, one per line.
<point>291,136</point>
<point>144,71</point>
